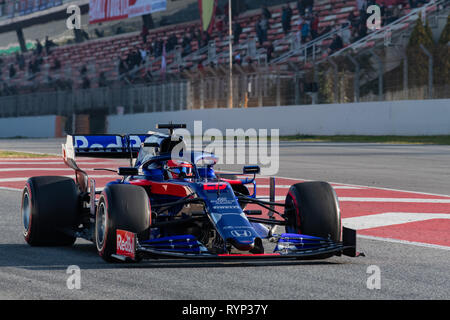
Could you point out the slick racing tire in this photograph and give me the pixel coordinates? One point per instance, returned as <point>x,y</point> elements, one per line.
<point>50,207</point>
<point>121,206</point>
<point>312,209</point>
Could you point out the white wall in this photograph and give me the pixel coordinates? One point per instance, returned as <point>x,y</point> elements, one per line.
<point>421,117</point>
<point>33,127</point>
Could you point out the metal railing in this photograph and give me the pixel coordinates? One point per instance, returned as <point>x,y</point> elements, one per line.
<point>310,47</point>
<point>379,34</point>
<point>139,98</point>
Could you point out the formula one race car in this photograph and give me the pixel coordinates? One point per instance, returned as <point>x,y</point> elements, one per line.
<point>174,205</point>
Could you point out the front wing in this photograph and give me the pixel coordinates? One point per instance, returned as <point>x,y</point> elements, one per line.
<point>289,246</point>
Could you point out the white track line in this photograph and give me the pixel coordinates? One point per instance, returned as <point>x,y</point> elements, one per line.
<point>287,186</point>
<point>10,189</point>
<point>367,187</point>
<point>39,169</point>
<point>388,219</point>
<point>419,244</point>
<point>58,162</point>
<point>403,200</point>
<point>69,176</point>
<point>395,200</point>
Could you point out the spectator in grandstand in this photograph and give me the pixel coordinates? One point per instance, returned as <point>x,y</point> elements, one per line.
<point>33,66</point>
<point>225,10</point>
<point>266,13</point>
<point>362,31</point>
<point>301,7</point>
<point>336,44</point>
<point>148,76</point>
<point>84,34</point>
<point>261,29</point>
<point>259,32</point>
<point>12,71</point>
<point>264,23</point>
<point>269,51</point>
<point>305,31</point>
<point>172,42</point>
<point>123,67</point>
<point>56,64</point>
<point>48,44</point>
<point>346,34</point>
<point>412,4</point>
<point>151,48</point>
<point>205,39</point>
<point>186,45</point>
<point>20,60</point>
<point>192,33</point>
<point>134,59</point>
<point>119,30</point>
<point>394,13</point>
<point>86,84</point>
<point>143,54</point>
<point>286,16</point>
<point>197,36</point>
<point>38,47</point>
<point>237,30</point>
<point>314,26</point>
<point>305,6</point>
<point>219,27</point>
<point>102,81</point>
<point>186,40</point>
<point>354,21</point>
<point>158,47</point>
<point>237,59</point>
<point>83,70</point>
<point>144,33</point>
<point>299,22</point>
<point>310,5</point>
<point>187,49</point>
<point>362,6</point>
<point>382,12</point>
<point>99,33</point>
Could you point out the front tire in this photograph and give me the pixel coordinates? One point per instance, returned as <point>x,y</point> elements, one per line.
<point>312,209</point>
<point>121,206</point>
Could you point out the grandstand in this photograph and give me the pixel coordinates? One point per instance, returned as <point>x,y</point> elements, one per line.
<point>281,69</point>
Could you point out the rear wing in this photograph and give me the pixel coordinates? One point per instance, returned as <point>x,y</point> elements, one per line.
<point>104,146</point>
<point>100,146</point>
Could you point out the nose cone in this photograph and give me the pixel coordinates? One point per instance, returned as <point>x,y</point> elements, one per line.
<point>242,244</point>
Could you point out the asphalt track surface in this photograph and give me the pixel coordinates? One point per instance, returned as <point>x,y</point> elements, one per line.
<point>408,270</point>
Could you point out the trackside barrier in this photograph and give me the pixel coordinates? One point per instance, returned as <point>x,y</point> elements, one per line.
<point>408,117</point>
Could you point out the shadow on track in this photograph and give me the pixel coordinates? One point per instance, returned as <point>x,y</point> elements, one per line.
<point>85,256</point>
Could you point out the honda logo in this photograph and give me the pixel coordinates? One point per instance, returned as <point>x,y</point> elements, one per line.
<point>241,233</point>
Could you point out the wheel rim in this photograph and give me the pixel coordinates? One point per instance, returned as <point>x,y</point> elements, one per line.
<point>101,225</point>
<point>338,212</point>
<point>26,212</point>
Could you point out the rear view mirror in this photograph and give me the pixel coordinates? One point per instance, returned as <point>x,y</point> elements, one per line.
<point>128,171</point>
<point>251,170</point>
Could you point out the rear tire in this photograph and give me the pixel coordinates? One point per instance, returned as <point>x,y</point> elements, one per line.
<point>121,206</point>
<point>49,210</point>
<point>312,209</point>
